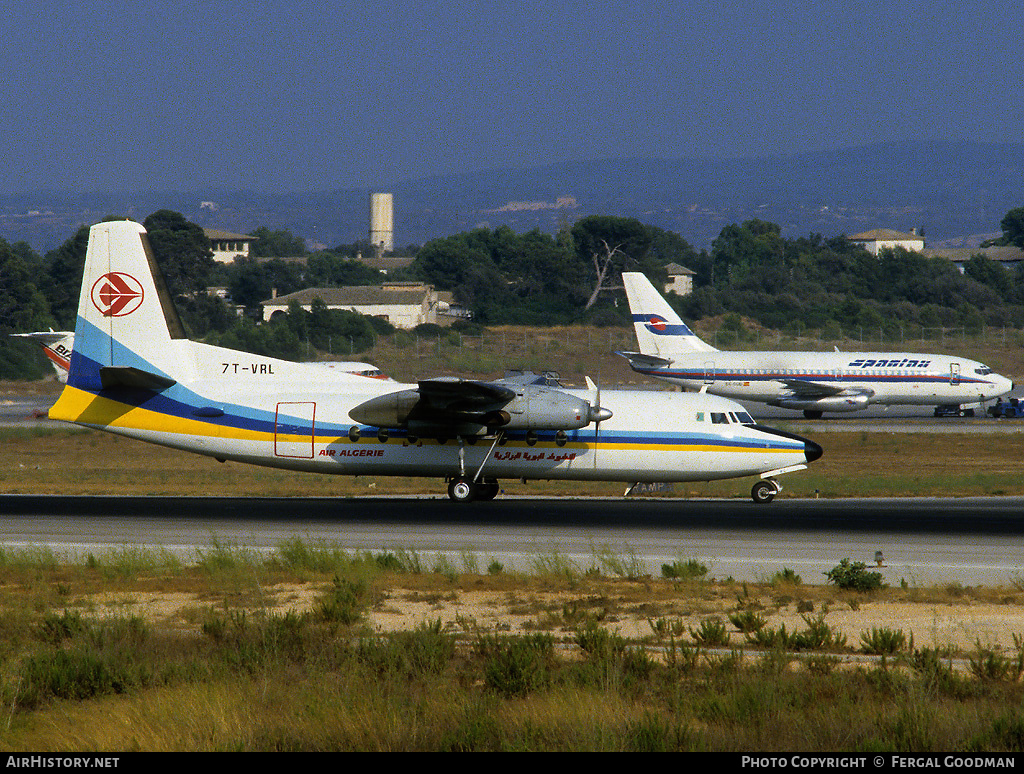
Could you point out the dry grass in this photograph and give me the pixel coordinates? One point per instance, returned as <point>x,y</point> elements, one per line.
<point>430,686</point>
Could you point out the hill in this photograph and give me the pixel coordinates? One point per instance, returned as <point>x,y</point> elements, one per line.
<point>956,192</point>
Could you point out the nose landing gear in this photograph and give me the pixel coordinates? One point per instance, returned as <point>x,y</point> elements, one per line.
<point>764,491</point>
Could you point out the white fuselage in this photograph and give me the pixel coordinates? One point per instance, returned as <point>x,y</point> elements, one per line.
<point>860,378</point>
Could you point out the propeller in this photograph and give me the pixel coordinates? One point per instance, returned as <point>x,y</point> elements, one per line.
<point>597,414</point>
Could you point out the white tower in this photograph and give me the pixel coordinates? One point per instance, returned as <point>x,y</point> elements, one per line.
<point>382,229</point>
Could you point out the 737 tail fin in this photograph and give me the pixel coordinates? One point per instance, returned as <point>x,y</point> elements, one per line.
<point>659,330</point>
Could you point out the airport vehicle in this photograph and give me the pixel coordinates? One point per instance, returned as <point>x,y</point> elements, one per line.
<point>814,382</point>
<point>1009,409</point>
<point>134,372</point>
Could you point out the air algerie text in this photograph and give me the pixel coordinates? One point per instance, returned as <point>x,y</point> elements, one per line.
<point>351,452</point>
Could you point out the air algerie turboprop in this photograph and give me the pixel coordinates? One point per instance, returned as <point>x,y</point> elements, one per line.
<point>134,372</point>
<point>814,382</point>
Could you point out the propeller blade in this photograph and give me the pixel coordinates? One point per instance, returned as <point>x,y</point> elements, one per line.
<point>597,413</point>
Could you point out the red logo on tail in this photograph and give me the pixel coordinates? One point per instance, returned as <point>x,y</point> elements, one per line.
<point>117,294</point>
<point>656,323</point>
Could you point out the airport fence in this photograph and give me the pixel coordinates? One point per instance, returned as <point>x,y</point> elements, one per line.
<point>581,350</point>
<point>514,340</point>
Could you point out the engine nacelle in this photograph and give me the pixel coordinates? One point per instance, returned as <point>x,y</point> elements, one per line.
<point>540,408</point>
<point>391,410</point>
<point>527,407</point>
<point>831,403</point>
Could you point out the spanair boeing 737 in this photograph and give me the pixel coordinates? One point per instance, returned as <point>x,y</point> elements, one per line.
<point>134,372</point>
<point>814,382</point>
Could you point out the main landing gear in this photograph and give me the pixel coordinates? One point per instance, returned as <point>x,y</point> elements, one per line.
<point>465,488</point>
<point>462,490</point>
<point>764,491</point>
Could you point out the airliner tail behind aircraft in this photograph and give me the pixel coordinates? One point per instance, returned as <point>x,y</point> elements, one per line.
<point>659,330</point>
<point>57,346</point>
<point>812,382</point>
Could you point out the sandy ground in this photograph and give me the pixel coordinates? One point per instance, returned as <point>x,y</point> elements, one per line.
<point>961,624</point>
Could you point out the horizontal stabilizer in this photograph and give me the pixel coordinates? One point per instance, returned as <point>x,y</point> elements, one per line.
<point>44,337</point>
<point>640,360</point>
<point>136,378</point>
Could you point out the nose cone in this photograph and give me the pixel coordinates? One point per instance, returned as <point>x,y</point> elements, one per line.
<point>812,451</point>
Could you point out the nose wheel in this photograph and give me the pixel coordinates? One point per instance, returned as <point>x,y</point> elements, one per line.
<point>765,491</point>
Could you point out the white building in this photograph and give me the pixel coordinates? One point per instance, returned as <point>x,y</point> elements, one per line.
<point>1009,256</point>
<point>227,246</point>
<point>879,239</point>
<point>680,279</point>
<point>403,304</point>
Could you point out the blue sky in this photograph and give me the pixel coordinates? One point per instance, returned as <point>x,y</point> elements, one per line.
<point>298,96</point>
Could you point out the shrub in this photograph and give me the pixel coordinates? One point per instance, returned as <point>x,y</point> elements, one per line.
<point>344,604</point>
<point>786,577</point>
<point>403,655</point>
<point>517,666</point>
<point>747,621</point>
<point>854,576</point>
<point>684,570</point>
<point>73,674</point>
<point>710,633</point>
<point>884,641</point>
<point>989,666</point>
<point>818,636</point>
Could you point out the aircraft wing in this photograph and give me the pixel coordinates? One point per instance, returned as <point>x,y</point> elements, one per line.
<point>466,407</point>
<point>640,360</point>
<point>443,396</point>
<point>803,388</point>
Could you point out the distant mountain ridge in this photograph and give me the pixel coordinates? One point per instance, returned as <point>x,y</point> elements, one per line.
<point>956,192</point>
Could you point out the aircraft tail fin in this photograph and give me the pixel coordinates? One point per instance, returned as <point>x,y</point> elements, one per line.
<point>126,319</point>
<point>659,330</point>
<point>56,345</point>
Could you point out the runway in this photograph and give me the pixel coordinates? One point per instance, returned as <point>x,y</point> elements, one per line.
<point>924,541</point>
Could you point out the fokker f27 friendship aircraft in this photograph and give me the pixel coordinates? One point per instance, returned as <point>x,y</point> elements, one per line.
<point>814,382</point>
<point>134,372</point>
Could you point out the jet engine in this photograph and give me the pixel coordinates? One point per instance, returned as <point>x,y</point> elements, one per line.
<point>831,403</point>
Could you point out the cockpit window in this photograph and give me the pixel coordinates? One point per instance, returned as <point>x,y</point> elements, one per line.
<point>743,418</point>
<point>983,371</point>
<point>719,419</point>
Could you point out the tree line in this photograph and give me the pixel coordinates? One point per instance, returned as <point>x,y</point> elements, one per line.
<point>534,278</point>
